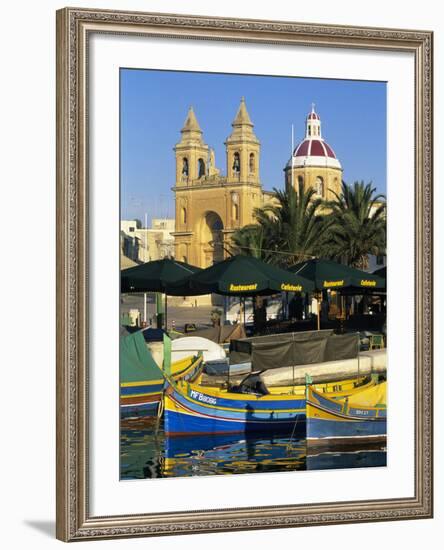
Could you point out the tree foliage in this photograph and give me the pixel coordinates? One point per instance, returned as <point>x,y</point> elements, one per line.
<point>297,225</point>
<point>287,230</point>
<point>355,226</point>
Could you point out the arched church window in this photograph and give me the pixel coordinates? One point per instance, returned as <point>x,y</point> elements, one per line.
<point>320,186</point>
<point>252,163</point>
<point>236,163</point>
<point>235,206</point>
<point>300,181</point>
<point>201,170</point>
<point>184,215</point>
<point>185,167</point>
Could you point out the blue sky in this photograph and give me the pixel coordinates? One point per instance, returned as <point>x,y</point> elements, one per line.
<point>154,105</point>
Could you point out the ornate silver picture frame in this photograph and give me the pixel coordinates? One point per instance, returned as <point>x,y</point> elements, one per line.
<point>74,29</point>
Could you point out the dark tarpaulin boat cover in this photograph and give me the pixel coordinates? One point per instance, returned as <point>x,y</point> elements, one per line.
<point>150,334</point>
<point>291,349</point>
<point>136,361</point>
<point>342,346</point>
<point>241,350</point>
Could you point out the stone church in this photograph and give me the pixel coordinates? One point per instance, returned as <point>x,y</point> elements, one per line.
<point>211,206</point>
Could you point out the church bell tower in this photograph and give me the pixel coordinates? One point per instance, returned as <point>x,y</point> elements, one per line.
<point>210,206</point>
<point>243,149</point>
<point>191,152</point>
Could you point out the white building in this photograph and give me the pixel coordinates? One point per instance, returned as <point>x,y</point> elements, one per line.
<point>376,262</point>
<point>147,244</point>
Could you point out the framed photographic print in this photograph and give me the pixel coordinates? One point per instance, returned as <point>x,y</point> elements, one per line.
<point>244,274</point>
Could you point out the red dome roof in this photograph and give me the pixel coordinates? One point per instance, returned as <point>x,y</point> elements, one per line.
<point>314,148</point>
<point>313,115</point>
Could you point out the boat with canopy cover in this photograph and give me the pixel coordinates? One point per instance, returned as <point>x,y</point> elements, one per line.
<point>194,409</point>
<point>252,408</point>
<point>142,380</point>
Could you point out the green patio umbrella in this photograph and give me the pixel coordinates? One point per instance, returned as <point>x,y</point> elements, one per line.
<point>241,276</point>
<point>327,274</point>
<point>155,276</point>
<point>330,275</point>
<point>381,272</point>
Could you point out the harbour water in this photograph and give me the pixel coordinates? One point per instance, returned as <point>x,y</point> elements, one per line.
<point>146,452</point>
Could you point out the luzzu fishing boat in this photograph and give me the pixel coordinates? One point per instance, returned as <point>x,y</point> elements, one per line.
<point>142,381</point>
<point>142,397</point>
<point>194,409</point>
<point>360,417</point>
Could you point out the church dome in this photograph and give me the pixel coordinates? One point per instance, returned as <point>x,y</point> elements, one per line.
<point>313,150</point>
<point>313,116</point>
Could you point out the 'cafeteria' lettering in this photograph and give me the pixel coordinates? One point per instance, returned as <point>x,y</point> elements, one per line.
<point>367,282</point>
<point>288,287</point>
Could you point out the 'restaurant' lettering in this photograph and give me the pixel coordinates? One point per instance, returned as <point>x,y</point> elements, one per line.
<point>242,288</point>
<point>329,284</point>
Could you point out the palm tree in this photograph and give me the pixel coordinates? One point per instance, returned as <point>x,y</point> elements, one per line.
<point>287,231</point>
<point>298,223</point>
<point>355,226</point>
<point>250,240</point>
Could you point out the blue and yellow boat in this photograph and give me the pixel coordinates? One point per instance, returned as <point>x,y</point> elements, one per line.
<point>360,417</point>
<point>142,381</point>
<point>194,409</point>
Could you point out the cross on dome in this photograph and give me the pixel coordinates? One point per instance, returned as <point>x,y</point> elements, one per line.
<point>313,115</point>
<point>313,124</point>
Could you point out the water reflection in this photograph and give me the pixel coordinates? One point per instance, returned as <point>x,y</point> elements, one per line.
<point>329,460</point>
<point>207,455</point>
<point>141,448</point>
<point>146,452</point>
